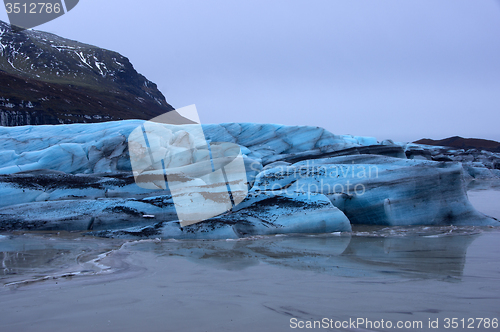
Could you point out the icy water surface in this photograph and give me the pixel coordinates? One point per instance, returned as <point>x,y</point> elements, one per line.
<point>412,275</point>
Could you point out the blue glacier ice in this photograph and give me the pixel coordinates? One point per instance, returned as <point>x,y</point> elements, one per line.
<point>382,190</point>
<point>264,213</point>
<point>79,177</point>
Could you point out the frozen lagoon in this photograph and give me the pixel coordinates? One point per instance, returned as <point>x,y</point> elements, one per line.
<point>408,274</point>
<point>59,280</point>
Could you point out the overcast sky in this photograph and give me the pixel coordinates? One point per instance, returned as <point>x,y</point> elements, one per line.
<point>385,68</point>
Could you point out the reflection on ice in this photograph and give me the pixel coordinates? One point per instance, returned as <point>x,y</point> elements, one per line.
<point>421,252</point>
<point>31,257</point>
<point>408,252</point>
<point>425,255</point>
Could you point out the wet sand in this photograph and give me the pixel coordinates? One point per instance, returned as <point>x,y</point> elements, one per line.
<point>258,284</point>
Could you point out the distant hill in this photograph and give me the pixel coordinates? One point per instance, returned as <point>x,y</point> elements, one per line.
<point>46,79</point>
<point>463,143</point>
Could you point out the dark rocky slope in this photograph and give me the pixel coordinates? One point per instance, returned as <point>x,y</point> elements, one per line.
<point>463,143</point>
<point>46,79</point>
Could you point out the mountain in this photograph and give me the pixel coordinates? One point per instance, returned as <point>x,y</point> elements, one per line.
<point>463,143</point>
<point>47,79</point>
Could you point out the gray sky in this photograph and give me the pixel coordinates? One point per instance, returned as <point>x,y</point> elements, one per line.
<point>385,68</point>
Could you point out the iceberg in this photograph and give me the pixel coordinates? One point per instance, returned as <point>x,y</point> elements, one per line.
<point>301,179</point>
<point>265,213</point>
<point>479,165</point>
<point>382,190</point>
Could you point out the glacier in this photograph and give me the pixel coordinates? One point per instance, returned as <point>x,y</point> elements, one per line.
<point>301,179</point>
<point>381,190</point>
